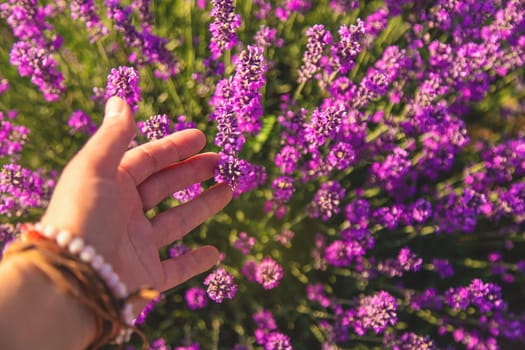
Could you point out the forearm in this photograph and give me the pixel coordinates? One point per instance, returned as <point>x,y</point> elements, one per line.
<point>34,313</point>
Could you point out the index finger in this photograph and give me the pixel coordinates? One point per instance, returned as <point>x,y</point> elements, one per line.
<point>149,158</point>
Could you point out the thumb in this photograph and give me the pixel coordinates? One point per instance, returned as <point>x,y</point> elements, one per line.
<point>107,146</point>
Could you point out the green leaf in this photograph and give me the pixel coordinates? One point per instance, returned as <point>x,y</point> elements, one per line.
<point>256,143</point>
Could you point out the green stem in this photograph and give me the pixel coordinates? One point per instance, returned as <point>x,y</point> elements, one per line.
<point>216,329</point>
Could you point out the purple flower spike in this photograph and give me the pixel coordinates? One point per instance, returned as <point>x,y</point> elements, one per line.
<point>196,298</point>
<point>224,28</point>
<point>269,273</point>
<point>327,200</point>
<point>124,83</point>
<point>318,39</point>
<point>81,122</point>
<point>376,312</point>
<point>220,285</point>
<point>277,341</point>
<point>244,243</point>
<point>156,127</point>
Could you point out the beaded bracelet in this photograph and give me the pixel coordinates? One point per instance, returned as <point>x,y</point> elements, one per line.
<point>76,246</point>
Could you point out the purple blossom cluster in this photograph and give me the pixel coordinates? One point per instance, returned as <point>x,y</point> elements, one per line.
<point>33,53</point>
<point>150,49</point>
<point>375,313</point>
<point>484,296</point>
<point>22,189</point>
<point>124,83</point>
<point>4,84</point>
<point>224,27</point>
<point>268,273</point>
<point>13,137</point>
<point>7,234</point>
<point>238,108</point>
<point>81,122</point>
<point>141,318</point>
<point>87,12</point>
<point>220,285</point>
<point>196,298</point>
<point>244,243</point>
<point>267,333</point>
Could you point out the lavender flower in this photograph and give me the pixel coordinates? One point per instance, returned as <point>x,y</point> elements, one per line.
<point>189,193</point>
<point>327,200</point>
<point>248,270</point>
<point>194,346</point>
<point>375,23</point>
<point>141,318</point>
<point>182,123</point>
<point>12,137</point>
<point>22,189</point>
<point>409,261</point>
<point>283,188</point>
<point>178,249</point>
<point>458,298</point>
<point>124,83</point>
<point>346,50</point>
<point>7,234</point>
<point>376,312</point>
<point>86,11</point>
<point>248,81</point>
<point>267,36</point>
<point>287,159</point>
<point>316,292</point>
<point>341,254</point>
<point>80,122</point>
<point>393,170</point>
<point>341,156</point>
<point>268,273</point>
<point>240,175</point>
<point>263,9</point>
<point>4,85</point>
<point>196,298</point>
<point>150,48</point>
<point>277,341</point>
<point>443,268</point>
<point>410,341</point>
<point>486,296</point>
<point>159,344</point>
<point>318,39</point>
<point>344,6</point>
<point>220,285</point>
<point>223,29</point>
<point>155,127</point>
<point>324,125</point>
<point>38,63</point>
<point>244,243</point>
<point>229,135</point>
<point>420,211</point>
<point>291,6</point>
<point>284,238</point>
<point>358,212</point>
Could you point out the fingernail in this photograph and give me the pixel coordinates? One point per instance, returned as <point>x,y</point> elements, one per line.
<point>114,107</point>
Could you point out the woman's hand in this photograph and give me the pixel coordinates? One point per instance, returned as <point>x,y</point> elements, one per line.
<point>104,191</point>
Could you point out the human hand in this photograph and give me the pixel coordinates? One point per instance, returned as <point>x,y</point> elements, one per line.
<point>105,189</point>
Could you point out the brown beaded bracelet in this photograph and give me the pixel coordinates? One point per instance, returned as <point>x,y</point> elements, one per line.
<point>78,271</point>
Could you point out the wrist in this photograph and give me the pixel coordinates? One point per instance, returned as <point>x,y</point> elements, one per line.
<point>31,304</point>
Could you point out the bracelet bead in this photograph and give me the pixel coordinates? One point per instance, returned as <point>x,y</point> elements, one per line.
<point>76,245</point>
<point>87,254</point>
<point>63,238</point>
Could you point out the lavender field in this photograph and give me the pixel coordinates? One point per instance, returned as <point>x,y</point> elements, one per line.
<point>376,150</point>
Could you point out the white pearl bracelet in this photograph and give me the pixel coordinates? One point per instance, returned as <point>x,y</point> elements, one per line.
<point>87,254</point>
